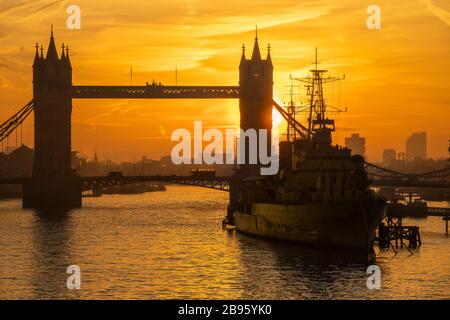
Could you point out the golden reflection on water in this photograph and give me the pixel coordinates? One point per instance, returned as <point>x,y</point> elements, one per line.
<point>171,245</point>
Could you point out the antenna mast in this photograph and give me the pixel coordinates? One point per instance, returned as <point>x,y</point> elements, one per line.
<point>317,120</point>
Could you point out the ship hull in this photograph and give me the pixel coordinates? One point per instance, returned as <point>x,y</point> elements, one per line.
<point>344,224</point>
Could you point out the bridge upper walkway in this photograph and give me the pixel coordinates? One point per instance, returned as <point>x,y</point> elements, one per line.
<point>155,92</point>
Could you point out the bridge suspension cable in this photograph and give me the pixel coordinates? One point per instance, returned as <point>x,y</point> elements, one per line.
<point>392,172</point>
<point>16,120</point>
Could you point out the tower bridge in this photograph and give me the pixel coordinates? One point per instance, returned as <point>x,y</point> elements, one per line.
<point>53,183</point>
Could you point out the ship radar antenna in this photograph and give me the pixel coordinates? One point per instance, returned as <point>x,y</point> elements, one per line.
<point>317,106</point>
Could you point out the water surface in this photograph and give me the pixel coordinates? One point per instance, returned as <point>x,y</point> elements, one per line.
<point>171,245</point>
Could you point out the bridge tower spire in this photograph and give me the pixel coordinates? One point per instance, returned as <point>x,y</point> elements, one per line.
<point>52,183</point>
<point>256,55</point>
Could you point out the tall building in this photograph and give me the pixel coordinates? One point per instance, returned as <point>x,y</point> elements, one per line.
<point>389,155</point>
<point>357,144</point>
<point>416,145</point>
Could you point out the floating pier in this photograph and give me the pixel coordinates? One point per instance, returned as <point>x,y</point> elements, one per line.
<point>440,212</point>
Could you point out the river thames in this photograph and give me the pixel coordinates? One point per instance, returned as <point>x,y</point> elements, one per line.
<point>170,245</point>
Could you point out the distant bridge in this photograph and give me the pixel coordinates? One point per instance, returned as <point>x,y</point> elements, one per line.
<point>100,182</point>
<point>223,183</point>
<point>435,184</point>
<point>93,183</point>
<point>385,177</point>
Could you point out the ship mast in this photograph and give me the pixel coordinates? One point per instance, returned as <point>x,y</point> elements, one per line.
<point>291,108</point>
<point>317,120</point>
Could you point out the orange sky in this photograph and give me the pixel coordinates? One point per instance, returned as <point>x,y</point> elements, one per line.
<point>396,78</point>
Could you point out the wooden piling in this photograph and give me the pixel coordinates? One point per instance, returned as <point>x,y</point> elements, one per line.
<point>392,230</point>
<point>446,218</point>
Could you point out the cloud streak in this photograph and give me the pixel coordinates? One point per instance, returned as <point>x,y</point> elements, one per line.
<point>439,12</point>
<point>28,8</point>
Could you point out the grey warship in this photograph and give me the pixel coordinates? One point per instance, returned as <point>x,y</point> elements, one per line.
<point>320,195</point>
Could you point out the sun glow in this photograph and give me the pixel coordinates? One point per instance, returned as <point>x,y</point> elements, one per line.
<point>277,118</point>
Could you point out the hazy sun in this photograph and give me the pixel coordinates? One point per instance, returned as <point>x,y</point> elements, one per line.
<point>277,119</point>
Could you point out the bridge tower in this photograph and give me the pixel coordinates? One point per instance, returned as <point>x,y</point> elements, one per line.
<point>255,106</point>
<point>53,183</point>
<point>256,97</point>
